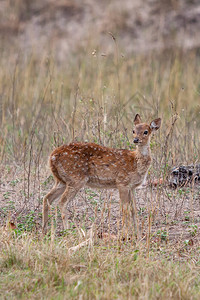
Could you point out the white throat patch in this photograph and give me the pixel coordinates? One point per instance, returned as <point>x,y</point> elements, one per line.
<point>145,150</point>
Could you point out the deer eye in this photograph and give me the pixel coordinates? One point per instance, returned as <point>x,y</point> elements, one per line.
<point>133,131</point>
<point>145,132</point>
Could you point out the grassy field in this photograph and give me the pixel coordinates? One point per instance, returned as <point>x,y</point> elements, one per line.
<point>94,97</point>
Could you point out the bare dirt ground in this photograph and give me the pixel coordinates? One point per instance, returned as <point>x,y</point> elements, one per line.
<point>173,214</point>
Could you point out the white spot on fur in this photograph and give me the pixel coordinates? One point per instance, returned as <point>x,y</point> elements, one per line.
<point>53,158</point>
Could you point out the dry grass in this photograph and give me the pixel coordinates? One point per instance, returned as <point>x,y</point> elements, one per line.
<point>34,267</point>
<point>95,98</point>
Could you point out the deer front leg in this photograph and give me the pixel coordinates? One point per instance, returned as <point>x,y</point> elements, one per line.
<point>125,197</point>
<point>134,212</point>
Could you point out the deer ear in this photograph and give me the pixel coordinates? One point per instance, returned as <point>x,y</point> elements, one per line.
<point>137,119</point>
<point>155,124</point>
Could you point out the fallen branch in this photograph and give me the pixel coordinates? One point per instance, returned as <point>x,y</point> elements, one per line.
<point>75,248</point>
<point>88,242</point>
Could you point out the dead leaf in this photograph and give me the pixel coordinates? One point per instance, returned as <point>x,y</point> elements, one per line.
<point>11,225</point>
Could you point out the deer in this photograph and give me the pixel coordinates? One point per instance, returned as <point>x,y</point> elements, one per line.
<point>82,164</point>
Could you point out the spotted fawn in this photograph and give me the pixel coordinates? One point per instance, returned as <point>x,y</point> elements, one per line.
<point>87,164</point>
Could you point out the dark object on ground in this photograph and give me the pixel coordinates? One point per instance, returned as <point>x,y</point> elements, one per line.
<point>183,175</point>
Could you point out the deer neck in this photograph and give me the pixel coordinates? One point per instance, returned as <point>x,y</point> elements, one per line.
<point>144,150</point>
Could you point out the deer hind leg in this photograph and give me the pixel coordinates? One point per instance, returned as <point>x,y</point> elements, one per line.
<point>55,193</point>
<point>68,195</point>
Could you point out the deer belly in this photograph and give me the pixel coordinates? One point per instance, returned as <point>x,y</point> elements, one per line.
<point>101,182</point>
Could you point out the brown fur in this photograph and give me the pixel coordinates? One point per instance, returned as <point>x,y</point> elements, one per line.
<point>79,164</point>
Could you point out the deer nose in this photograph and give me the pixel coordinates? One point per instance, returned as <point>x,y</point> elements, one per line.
<point>136,140</point>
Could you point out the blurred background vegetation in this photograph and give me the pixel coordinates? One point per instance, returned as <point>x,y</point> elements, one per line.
<point>80,70</point>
